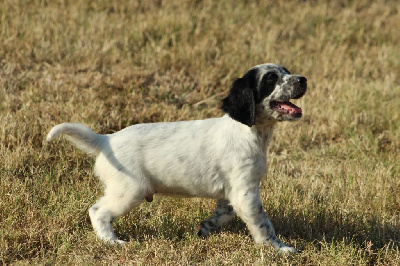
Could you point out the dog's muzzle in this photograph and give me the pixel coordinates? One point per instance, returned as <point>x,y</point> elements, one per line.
<point>287,109</point>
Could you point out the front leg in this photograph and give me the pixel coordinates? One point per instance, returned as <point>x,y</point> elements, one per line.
<point>247,204</point>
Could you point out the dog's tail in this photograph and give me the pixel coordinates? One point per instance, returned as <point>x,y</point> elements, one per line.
<point>81,135</point>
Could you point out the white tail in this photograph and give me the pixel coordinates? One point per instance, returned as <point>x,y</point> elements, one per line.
<point>81,135</point>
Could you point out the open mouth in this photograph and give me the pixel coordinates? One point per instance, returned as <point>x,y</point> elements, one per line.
<point>286,108</point>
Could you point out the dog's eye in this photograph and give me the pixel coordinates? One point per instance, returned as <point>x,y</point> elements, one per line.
<point>270,77</point>
<point>267,85</point>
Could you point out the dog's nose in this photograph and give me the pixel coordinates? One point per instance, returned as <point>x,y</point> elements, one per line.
<point>301,80</point>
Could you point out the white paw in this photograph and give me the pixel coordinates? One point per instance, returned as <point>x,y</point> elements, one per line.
<point>286,250</point>
<point>120,242</point>
<point>115,242</point>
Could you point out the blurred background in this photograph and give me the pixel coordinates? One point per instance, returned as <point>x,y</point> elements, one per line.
<point>332,188</point>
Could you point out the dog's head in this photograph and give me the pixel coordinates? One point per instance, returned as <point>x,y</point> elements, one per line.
<point>265,90</point>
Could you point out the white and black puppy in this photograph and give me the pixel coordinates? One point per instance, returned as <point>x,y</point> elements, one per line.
<point>221,158</point>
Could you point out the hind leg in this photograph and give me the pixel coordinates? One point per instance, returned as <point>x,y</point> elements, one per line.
<point>223,213</point>
<point>116,202</point>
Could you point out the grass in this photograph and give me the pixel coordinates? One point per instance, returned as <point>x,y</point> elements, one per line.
<point>333,184</point>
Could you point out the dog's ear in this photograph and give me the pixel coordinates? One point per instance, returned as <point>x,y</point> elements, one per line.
<point>240,103</point>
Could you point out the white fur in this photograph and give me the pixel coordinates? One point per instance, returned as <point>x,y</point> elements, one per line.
<point>217,158</point>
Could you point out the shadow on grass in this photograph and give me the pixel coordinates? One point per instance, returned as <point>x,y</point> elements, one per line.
<point>316,226</point>
<point>322,225</point>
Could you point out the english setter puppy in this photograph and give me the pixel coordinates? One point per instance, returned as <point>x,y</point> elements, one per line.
<point>221,158</point>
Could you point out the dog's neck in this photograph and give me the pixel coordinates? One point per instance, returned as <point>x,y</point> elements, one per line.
<point>264,129</point>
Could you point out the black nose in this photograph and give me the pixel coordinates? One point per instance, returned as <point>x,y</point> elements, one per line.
<point>301,80</point>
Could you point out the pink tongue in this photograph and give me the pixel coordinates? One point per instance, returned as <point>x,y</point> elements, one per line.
<point>290,107</point>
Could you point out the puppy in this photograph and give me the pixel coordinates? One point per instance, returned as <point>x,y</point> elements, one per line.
<point>221,158</point>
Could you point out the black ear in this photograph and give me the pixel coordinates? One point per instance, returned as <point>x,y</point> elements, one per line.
<point>240,103</point>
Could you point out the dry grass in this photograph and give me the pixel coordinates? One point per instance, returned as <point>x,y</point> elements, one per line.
<point>333,186</point>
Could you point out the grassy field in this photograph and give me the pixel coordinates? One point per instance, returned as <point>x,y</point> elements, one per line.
<point>333,183</point>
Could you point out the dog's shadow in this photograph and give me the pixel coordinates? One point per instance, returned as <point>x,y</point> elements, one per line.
<point>324,226</point>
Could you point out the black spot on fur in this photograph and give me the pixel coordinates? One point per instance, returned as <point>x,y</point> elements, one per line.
<point>240,103</point>
<point>267,85</point>
<point>104,221</point>
<point>181,158</point>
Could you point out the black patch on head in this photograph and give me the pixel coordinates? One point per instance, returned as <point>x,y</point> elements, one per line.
<point>267,85</point>
<point>240,103</point>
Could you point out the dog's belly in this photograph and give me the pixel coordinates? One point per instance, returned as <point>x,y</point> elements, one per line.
<point>189,176</point>
<point>189,186</point>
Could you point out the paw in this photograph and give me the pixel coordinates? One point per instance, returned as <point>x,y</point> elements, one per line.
<point>115,242</point>
<point>120,242</point>
<point>287,250</point>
